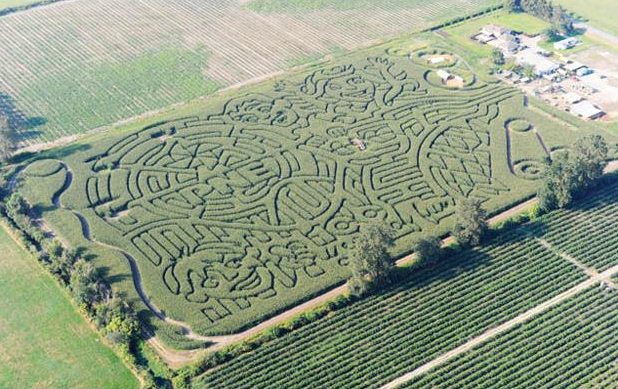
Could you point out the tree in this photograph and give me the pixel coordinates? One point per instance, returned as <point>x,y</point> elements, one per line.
<point>370,260</point>
<point>528,71</point>
<point>512,5</point>
<point>428,249</point>
<point>470,222</point>
<point>571,173</point>
<point>552,34</point>
<point>558,181</point>
<point>6,139</point>
<point>17,205</point>
<point>589,156</point>
<point>83,282</point>
<point>498,57</point>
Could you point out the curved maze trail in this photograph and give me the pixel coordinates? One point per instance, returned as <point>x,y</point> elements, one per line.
<point>135,274</point>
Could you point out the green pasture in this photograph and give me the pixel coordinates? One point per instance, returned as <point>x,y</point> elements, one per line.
<point>44,342</point>
<point>601,14</point>
<point>238,207</point>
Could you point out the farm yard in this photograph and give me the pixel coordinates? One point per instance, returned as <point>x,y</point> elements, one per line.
<point>44,342</point>
<point>250,204</point>
<point>379,339</point>
<point>80,65</point>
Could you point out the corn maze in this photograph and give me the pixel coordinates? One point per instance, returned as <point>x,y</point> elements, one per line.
<point>253,204</point>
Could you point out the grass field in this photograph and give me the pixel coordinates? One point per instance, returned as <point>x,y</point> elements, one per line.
<point>249,204</point>
<point>64,73</point>
<point>4,4</point>
<point>438,308</point>
<point>44,342</point>
<point>601,14</point>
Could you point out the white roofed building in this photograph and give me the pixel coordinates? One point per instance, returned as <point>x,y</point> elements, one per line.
<point>586,110</point>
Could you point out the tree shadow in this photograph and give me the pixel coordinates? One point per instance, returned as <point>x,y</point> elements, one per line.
<point>26,127</point>
<point>105,272</point>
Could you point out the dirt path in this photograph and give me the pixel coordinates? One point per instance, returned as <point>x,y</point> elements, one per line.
<point>600,277</point>
<point>590,272</point>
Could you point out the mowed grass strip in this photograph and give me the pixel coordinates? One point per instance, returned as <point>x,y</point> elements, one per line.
<point>44,342</point>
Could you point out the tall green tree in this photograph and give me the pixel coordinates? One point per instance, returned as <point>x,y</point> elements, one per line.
<point>571,173</point>
<point>497,57</point>
<point>512,5</point>
<point>558,182</point>
<point>84,283</point>
<point>589,156</point>
<point>428,249</point>
<point>370,260</point>
<point>470,222</point>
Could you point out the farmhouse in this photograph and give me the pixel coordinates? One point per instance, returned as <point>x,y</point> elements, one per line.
<point>566,44</point>
<point>495,31</point>
<point>496,36</point>
<point>586,110</point>
<point>506,45</point>
<point>541,65</point>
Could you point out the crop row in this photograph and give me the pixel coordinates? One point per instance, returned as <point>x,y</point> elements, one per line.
<point>592,220</point>
<point>384,336</point>
<point>564,348</point>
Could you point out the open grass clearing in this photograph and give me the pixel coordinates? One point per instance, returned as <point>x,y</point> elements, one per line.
<point>44,341</point>
<point>601,14</point>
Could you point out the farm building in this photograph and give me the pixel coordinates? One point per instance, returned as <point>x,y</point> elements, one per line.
<point>586,110</point>
<point>541,65</point>
<point>573,66</point>
<point>495,31</point>
<point>566,44</point>
<point>583,71</point>
<point>505,45</point>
